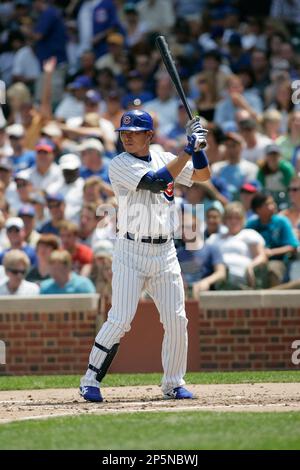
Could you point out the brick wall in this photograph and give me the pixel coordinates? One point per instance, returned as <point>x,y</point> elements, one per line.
<point>227,331</point>
<point>52,335</point>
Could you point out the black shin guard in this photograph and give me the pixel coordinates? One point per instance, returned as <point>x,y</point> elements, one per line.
<point>107,361</point>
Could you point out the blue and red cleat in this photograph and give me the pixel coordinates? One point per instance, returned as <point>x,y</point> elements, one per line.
<point>91,393</point>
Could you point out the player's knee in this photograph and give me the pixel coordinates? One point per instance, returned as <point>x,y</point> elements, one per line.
<point>121,326</point>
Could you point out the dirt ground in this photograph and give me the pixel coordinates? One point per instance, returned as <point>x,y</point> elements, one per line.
<point>42,404</point>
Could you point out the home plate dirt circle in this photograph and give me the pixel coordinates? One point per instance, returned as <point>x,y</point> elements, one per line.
<point>50,403</point>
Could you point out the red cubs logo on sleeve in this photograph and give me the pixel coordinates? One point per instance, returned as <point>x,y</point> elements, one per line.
<point>169,192</point>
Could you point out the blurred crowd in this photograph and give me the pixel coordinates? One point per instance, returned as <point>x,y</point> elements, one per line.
<point>70,69</point>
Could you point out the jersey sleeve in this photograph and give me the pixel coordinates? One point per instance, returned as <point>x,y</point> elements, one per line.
<point>125,173</point>
<point>185,177</point>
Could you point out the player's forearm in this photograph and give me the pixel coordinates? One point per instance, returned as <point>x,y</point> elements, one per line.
<point>176,166</point>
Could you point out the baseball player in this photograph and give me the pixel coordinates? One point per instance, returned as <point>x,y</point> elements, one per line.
<point>145,256</point>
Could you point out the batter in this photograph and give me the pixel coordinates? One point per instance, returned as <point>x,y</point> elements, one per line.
<point>145,256</point>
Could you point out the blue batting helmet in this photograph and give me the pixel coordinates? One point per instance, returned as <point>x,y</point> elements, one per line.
<point>136,120</point>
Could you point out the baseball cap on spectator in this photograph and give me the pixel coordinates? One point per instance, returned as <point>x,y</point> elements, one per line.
<point>235,137</point>
<point>91,144</point>
<point>5,164</point>
<point>69,161</point>
<point>80,82</point>
<point>103,248</point>
<point>26,209</point>
<point>37,198</point>
<point>92,96</point>
<point>130,7</point>
<point>249,188</point>
<point>45,144</point>
<point>15,130</point>
<point>115,38</point>
<point>272,148</point>
<point>58,197</point>
<point>134,74</point>
<point>235,40</point>
<point>51,130</point>
<point>15,222</point>
<point>22,175</point>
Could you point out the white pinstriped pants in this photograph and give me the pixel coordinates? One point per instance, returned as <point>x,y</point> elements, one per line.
<point>155,268</point>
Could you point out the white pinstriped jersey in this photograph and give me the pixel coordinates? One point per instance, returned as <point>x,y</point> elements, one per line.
<point>140,211</point>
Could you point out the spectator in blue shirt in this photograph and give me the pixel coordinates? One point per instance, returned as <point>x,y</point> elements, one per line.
<point>92,151</point>
<point>21,157</point>
<point>56,206</point>
<point>63,280</point>
<point>15,231</point>
<point>105,20</point>
<point>49,33</point>
<point>277,231</point>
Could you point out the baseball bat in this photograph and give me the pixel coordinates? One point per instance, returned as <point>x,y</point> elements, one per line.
<point>168,60</point>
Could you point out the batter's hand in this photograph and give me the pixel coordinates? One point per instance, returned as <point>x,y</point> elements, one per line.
<point>196,143</point>
<point>194,126</point>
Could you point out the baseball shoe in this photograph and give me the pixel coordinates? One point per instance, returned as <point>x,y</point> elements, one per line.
<point>90,393</point>
<point>179,393</point>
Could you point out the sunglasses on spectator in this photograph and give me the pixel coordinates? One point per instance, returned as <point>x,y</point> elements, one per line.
<point>21,184</point>
<point>294,189</point>
<point>17,271</point>
<point>53,205</point>
<point>13,229</point>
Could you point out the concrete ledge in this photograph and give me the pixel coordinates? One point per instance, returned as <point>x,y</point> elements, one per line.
<point>49,303</point>
<point>228,300</point>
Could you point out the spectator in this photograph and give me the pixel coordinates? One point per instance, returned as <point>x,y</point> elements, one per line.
<point>104,22</point>
<point>21,158</point>
<point>92,160</point>
<point>101,273</point>
<point>94,190</point>
<point>236,98</point>
<point>134,27</point>
<point>247,193</point>
<point>19,191</point>
<point>261,68</point>
<point>234,170</point>
<point>49,33</point>
<point>237,57</point>
<point>45,174</point>
<point>213,219</point>
<point>136,89</point>
<point>158,15</point>
<point>215,150</point>
<point>270,123</point>
<point>72,186</point>
<point>112,59</point>
<point>46,244</point>
<point>5,147</point>
<point>293,211</point>
<point>63,280</point>
<point>201,266</point>
<point>16,263</point>
<point>277,231</point>
<point>290,143</point>
<point>255,142</point>
<point>275,174</point>
<point>56,206</point>
<point>88,224</point>
<point>26,67</point>
<point>72,104</point>
<point>282,102</point>
<point>208,98</point>
<point>16,234</point>
<point>242,249</point>
<point>38,201</point>
<point>27,214</point>
<point>164,106</point>
<point>82,255</point>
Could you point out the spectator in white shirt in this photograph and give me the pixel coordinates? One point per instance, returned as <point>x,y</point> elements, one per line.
<point>46,173</point>
<point>255,143</point>
<point>16,264</point>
